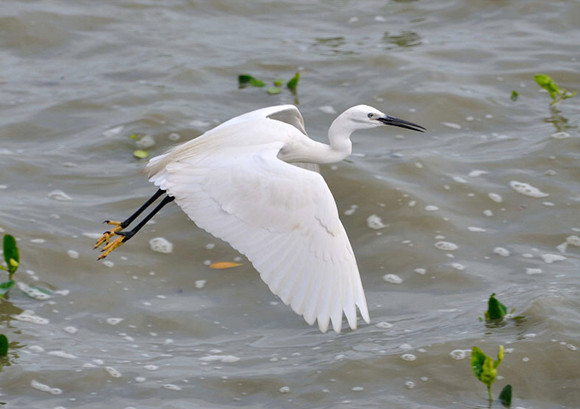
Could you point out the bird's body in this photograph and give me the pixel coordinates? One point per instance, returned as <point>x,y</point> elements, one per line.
<point>252,182</point>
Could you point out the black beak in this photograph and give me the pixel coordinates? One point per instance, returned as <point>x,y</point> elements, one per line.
<point>391,120</point>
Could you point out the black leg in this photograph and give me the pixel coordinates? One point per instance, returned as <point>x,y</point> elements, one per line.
<point>148,203</point>
<point>128,234</point>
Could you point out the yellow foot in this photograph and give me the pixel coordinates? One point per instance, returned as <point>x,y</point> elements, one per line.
<point>119,240</point>
<point>104,239</point>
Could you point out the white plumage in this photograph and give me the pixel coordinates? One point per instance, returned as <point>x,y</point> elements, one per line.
<point>245,182</point>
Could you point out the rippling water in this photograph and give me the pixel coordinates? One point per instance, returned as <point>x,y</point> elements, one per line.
<point>153,330</point>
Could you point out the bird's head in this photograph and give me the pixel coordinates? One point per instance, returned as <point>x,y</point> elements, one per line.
<point>365,117</point>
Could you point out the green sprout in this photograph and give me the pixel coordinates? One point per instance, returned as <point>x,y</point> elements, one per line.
<point>514,96</point>
<point>556,93</point>
<point>140,153</point>
<point>3,345</point>
<point>505,396</point>
<point>485,368</point>
<point>12,259</point>
<point>244,80</point>
<point>495,309</point>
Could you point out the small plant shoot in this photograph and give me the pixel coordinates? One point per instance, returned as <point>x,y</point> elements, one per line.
<point>12,260</point>
<point>3,345</point>
<point>556,93</point>
<point>514,97</point>
<point>245,80</point>
<point>485,368</point>
<point>495,310</point>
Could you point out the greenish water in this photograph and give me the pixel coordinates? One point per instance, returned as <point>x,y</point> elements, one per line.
<point>153,330</point>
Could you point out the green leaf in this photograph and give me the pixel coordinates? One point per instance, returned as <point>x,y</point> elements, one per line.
<point>274,90</point>
<point>6,286</point>
<point>257,83</point>
<point>499,357</point>
<point>293,83</point>
<point>548,84</point>
<point>505,396</point>
<point>11,252</point>
<point>477,360</point>
<point>514,96</point>
<point>140,154</point>
<point>3,345</point>
<point>495,309</point>
<point>245,79</point>
<point>278,82</point>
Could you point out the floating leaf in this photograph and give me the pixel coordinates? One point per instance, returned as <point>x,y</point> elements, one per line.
<point>140,154</point>
<point>274,90</point>
<point>293,83</point>
<point>3,345</point>
<point>514,96</point>
<point>244,79</point>
<point>134,136</point>
<point>495,309</point>
<point>6,286</point>
<point>548,84</point>
<point>505,396</point>
<point>278,82</point>
<point>257,83</point>
<point>221,265</point>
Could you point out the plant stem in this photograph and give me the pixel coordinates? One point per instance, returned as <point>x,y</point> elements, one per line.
<point>490,397</point>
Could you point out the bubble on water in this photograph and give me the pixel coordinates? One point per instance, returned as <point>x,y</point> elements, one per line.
<point>172,387</point>
<point>210,246</point>
<point>451,125</point>
<point>174,137</point>
<point>475,173</point>
<point>59,195</point>
<point>113,131</point>
<point>151,367</point>
<point>525,359</point>
<point>113,372</point>
<point>62,354</point>
<point>140,379</point>
<point>36,348</point>
<point>145,142</point>
<point>550,258</point>
<point>527,189</point>
<point>38,241</point>
<point>500,251</point>
<point>327,109</point>
<point>71,330</point>
<point>446,246</point>
<point>351,211</point>
<point>114,321</point>
<point>30,316</point>
<point>392,279</point>
<point>459,354</point>
<point>412,203</point>
<point>476,229</point>
<point>573,240</point>
<point>571,347</point>
<point>161,245</point>
<point>421,271</point>
<point>560,135</point>
<point>92,235</point>
<point>409,384</point>
<point>532,271</point>
<point>458,266</point>
<point>384,325</point>
<point>549,204</point>
<point>418,165</point>
<point>200,123</point>
<point>459,179</point>
<point>108,263</point>
<point>495,197</point>
<point>45,388</point>
<point>73,254</point>
<point>357,388</point>
<point>488,213</point>
<point>285,389</point>
<point>408,357</point>
<point>220,358</point>
<point>375,222</point>
<point>431,208</point>
<point>200,283</point>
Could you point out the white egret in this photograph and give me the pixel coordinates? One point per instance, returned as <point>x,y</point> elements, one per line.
<point>253,182</point>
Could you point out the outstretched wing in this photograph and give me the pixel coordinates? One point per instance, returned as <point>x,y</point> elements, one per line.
<point>284,113</point>
<point>283,218</point>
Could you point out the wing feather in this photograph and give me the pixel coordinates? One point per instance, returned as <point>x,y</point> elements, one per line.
<point>282,217</point>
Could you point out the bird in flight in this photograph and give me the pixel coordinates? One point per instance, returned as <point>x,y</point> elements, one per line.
<point>253,181</point>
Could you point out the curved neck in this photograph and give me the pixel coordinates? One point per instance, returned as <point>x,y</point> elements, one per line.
<point>339,136</point>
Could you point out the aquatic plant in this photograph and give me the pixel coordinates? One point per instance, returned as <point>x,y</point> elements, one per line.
<point>244,80</point>
<point>495,309</point>
<point>556,93</point>
<point>12,259</point>
<point>485,369</point>
<point>3,345</point>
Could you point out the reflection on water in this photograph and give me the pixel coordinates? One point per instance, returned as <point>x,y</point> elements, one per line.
<point>486,201</point>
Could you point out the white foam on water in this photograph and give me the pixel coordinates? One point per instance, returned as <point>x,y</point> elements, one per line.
<point>446,246</point>
<point>59,195</point>
<point>375,222</point>
<point>45,388</point>
<point>495,197</point>
<point>500,251</point>
<point>551,258</point>
<point>527,189</point>
<point>392,279</point>
<point>161,245</point>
